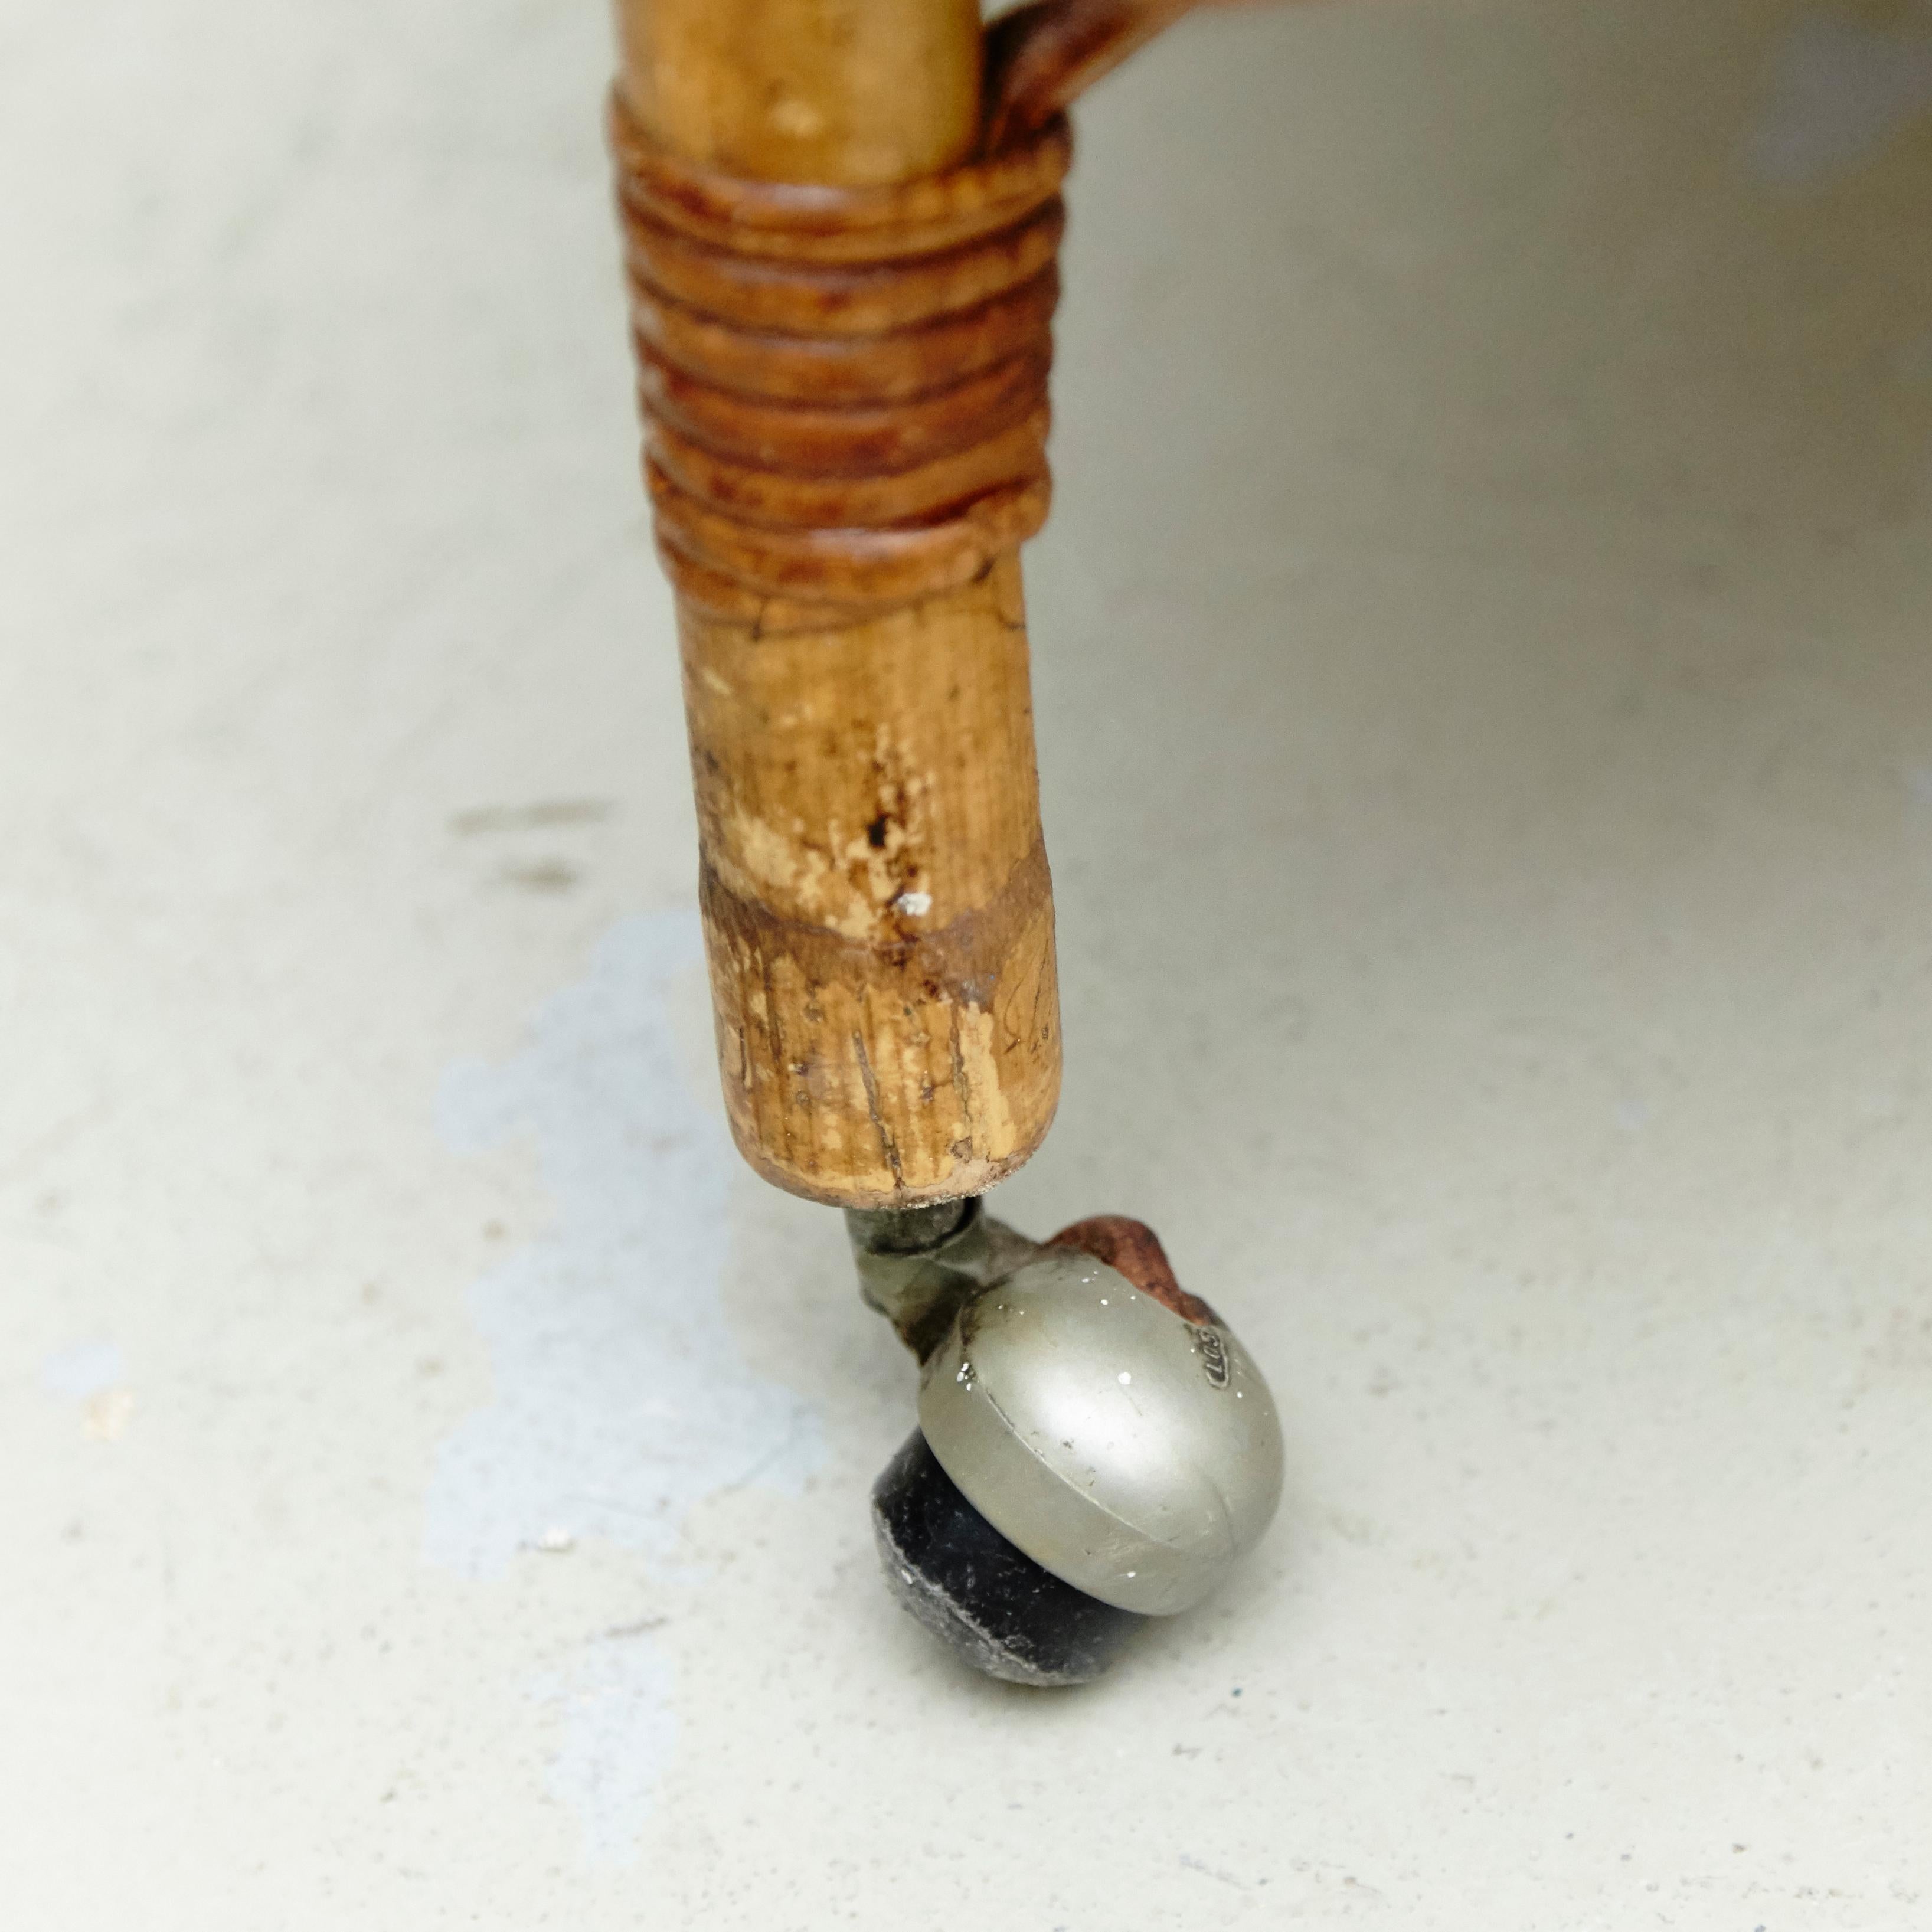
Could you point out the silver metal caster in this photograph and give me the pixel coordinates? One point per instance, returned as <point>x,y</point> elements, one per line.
<point>1095,1447</point>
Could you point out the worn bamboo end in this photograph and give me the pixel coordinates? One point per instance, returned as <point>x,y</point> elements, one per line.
<point>877,910</point>
<point>842,305</point>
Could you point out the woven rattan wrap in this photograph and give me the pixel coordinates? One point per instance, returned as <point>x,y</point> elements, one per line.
<point>845,389</point>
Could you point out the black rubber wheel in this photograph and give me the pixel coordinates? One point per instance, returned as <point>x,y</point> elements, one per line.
<point>992,1602</point>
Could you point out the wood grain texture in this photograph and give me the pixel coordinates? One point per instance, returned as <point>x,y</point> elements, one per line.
<point>878,915</point>
<point>840,503</point>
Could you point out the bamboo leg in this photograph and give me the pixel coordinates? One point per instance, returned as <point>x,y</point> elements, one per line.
<point>878,915</point>
<point>842,278</point>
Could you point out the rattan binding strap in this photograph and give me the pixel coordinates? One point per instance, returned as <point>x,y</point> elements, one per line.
<point>845,390</point>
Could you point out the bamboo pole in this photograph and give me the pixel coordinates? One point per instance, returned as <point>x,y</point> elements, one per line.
<point>878,915</point>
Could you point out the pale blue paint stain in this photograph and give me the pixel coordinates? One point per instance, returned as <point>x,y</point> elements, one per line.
<point>85,1369</point>
<point>618,1733</point>
<point>621,1399</point>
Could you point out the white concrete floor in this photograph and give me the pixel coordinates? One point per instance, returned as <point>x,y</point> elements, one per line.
<point>1485,705</point>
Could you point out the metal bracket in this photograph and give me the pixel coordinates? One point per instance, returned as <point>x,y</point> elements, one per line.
<point>917,1265</point>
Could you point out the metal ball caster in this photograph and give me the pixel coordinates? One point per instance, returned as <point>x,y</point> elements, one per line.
<point>1095,1447</point>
